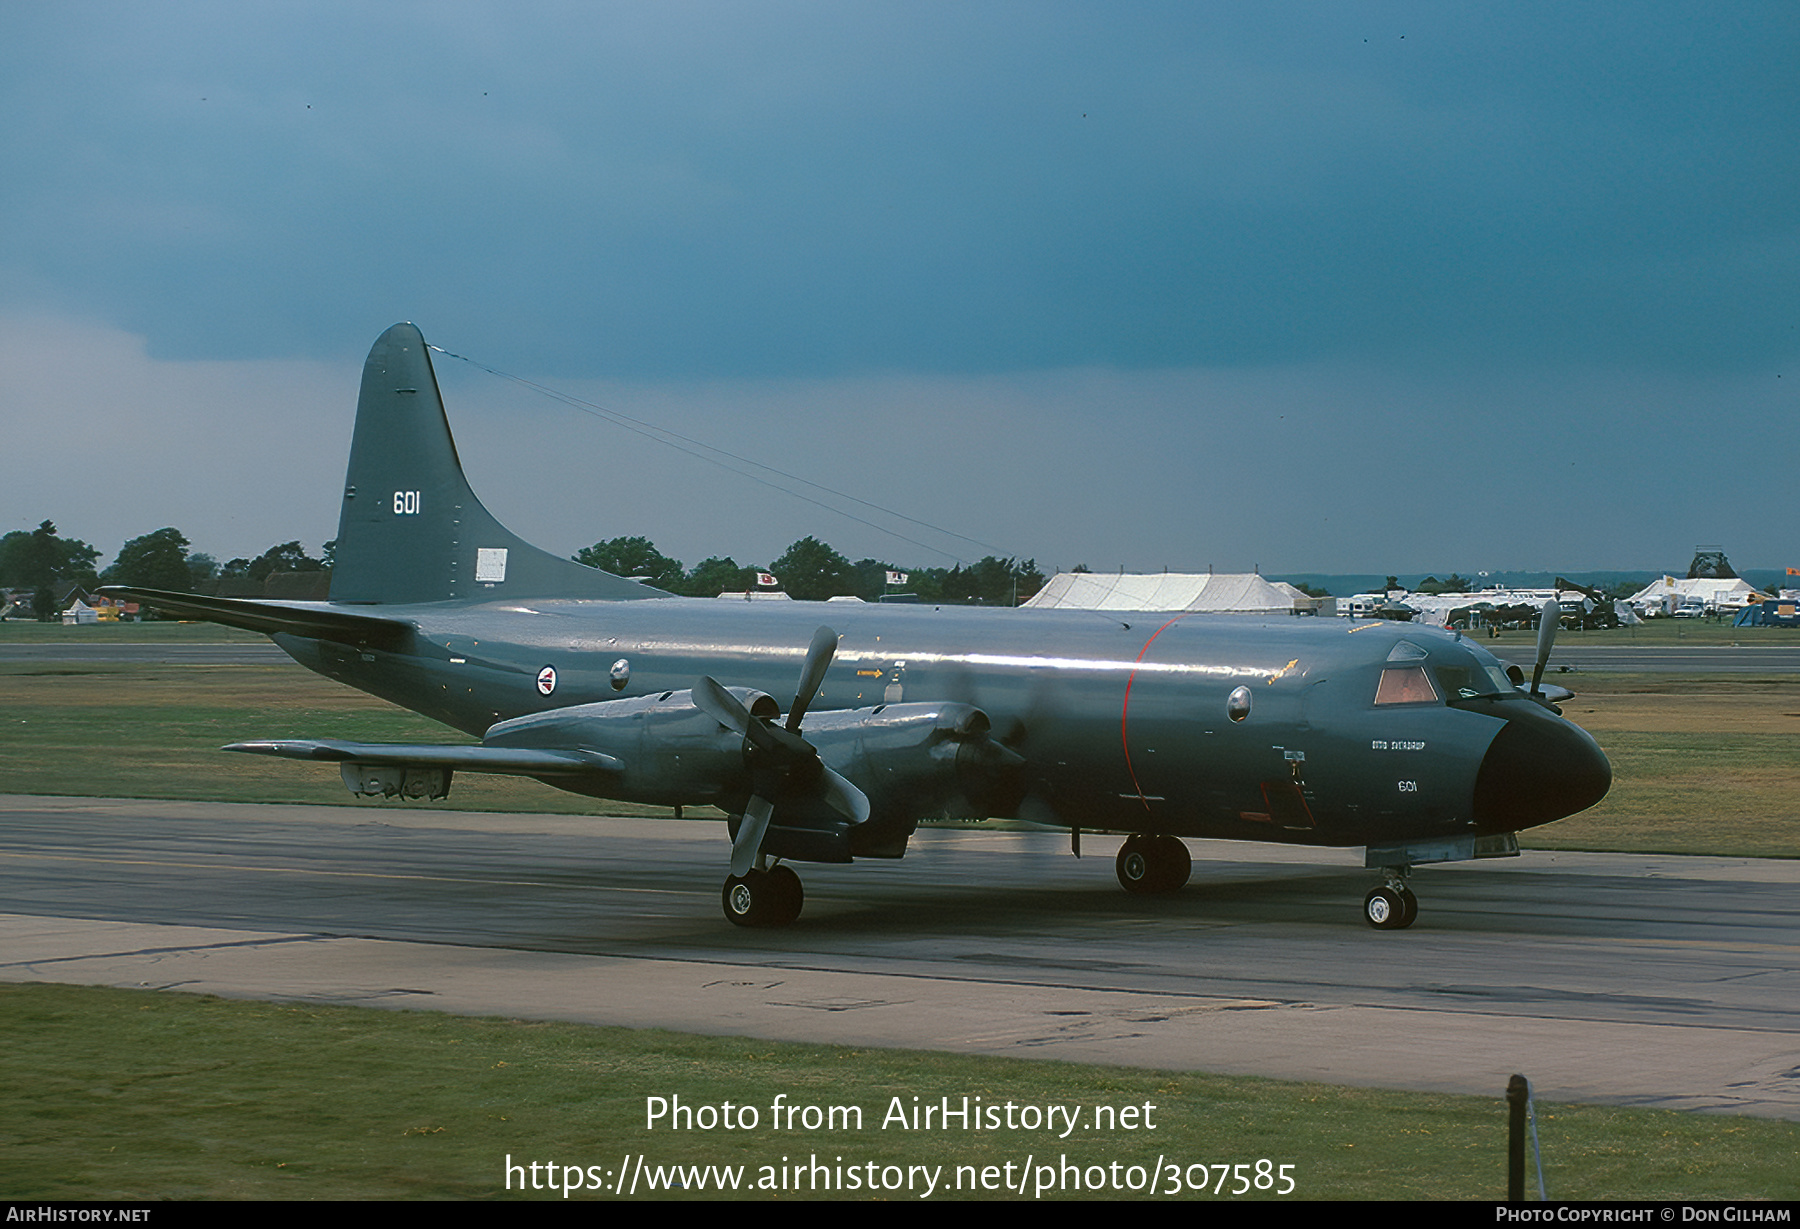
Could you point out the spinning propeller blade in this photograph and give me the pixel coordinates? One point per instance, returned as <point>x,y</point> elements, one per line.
<point>780,760</point>
<point>721,705</point>
<point>1548,622</point>
<point>812,673</point>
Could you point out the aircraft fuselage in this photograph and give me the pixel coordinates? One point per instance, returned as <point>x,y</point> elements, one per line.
<point>1125,720</point>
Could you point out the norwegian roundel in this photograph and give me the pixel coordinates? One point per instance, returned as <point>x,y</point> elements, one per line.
<point>547,680</point>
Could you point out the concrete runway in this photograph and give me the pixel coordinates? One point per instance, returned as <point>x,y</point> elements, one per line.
<point>1572,653</point>
<point>1641,980</point>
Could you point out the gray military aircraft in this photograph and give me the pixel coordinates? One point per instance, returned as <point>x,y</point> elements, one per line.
<point>1413,742</point>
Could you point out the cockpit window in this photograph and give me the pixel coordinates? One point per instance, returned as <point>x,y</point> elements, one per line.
<point>1405,685</point>
<point>1467,682</point>
<point>1502,679</point>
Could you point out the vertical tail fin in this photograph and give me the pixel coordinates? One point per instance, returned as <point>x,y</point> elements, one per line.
<point>411,530</point>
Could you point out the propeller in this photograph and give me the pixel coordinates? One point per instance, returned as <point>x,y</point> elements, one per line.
<point>996,761</point>
<point>782,763</point>
<point>1548,621</point>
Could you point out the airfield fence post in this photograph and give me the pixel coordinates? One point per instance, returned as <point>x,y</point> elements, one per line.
<point>1518,1090</point>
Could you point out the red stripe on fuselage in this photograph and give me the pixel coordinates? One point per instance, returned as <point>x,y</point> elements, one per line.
<point>1125,709</point>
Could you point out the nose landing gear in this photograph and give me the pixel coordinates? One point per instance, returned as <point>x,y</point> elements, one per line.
<point>1391,906</point>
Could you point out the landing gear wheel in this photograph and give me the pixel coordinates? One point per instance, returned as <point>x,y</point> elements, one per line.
<point>743,902</point>
<point>1175,863</point>
<point>1135,866</point>
<point>762,898</point>
<point>1390,909</point>
<point>1412,907</point>
<point>1152,864</point>
<point>790,896</point>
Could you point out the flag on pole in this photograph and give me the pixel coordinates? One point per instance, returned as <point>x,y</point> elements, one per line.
<point>766,580</point>
<point>899,578</point>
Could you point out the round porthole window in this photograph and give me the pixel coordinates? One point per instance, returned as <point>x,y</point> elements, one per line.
<point>621,674</point>
<point>1238,706</point>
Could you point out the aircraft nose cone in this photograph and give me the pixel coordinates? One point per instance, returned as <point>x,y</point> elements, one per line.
<point>1538,768</point>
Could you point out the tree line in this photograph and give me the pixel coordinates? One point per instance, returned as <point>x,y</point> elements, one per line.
<point>44,563</point>
<point>811,570</point>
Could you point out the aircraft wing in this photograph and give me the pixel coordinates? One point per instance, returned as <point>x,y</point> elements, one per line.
<point>517,761</point>
<point>314,620</point>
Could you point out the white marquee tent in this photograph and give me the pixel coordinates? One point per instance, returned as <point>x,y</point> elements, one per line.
<point>1225,593</point>
<point>1667,594</point>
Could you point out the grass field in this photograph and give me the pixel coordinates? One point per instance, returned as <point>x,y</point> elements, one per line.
<point>138,1096</point>
<point>127,730</point>
<point>19,631</point>
<point>1700,765</point>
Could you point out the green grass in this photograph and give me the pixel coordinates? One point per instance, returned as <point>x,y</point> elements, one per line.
<point>18,631</point>
<point>129,730</point>
<point>1701,765</point>
<point>113,1094</point>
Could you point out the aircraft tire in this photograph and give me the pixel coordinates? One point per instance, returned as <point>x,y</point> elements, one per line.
<point>1386,909</point>
<point>790,895</point>
<point>762,898</point>
<point>1149,865</point>
<point>1412,907</point>
<point>1136,866</point>
<point>1174,863</point>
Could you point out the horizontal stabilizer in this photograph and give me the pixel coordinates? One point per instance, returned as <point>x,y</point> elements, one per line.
<point>514,761</point>
<point>314,620</point>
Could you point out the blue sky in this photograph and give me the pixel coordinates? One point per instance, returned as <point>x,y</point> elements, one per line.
<point>1318,287</point>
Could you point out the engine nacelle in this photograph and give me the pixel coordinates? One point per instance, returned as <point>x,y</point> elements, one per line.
<point>921,760</point>
<point>671,753</point>
<point>918,759</point>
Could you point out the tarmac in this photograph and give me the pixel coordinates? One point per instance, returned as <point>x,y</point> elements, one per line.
<point>1640,980</point>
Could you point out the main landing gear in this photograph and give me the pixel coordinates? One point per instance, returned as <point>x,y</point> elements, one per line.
<point>763,897</point>
<point>1151,864</point>
<point>1391,906</point>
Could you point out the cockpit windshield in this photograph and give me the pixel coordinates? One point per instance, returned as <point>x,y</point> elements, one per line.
<point>1414,675</point>
<point>1479,673</point>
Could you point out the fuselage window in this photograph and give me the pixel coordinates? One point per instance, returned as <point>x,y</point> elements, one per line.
<point>1405,685</point>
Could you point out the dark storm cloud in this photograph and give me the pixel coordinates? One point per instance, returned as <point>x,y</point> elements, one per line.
<point>1323,287</point>
<point>728,190</point>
